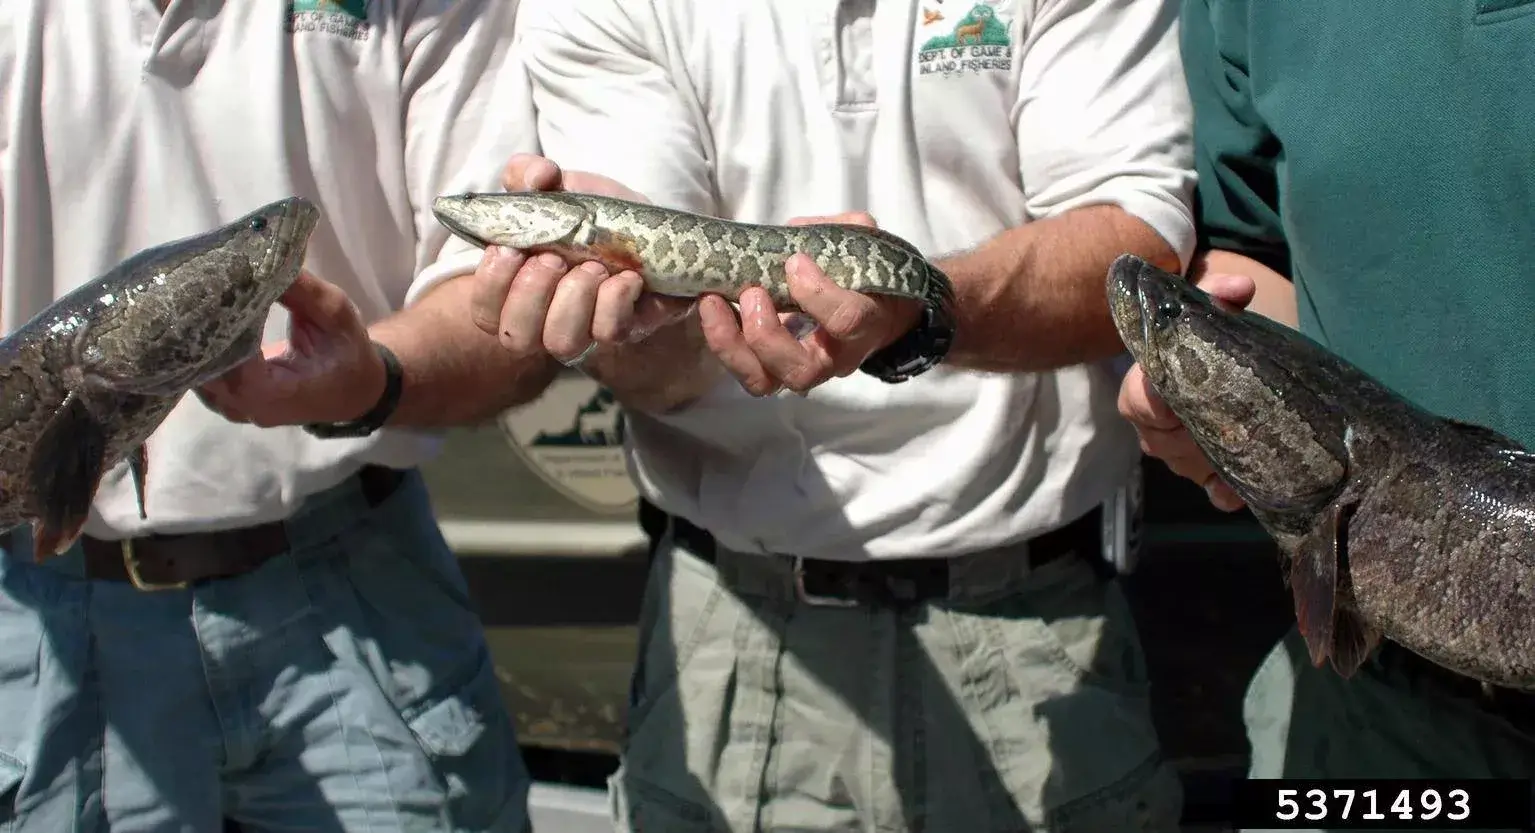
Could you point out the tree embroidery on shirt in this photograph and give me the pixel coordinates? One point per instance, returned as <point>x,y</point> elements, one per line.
<point>978,43</point>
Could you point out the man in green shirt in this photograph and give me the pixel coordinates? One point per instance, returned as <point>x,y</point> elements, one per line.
<point>1366,173</point>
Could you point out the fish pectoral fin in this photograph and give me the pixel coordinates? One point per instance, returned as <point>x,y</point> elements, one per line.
<point>1314,584</point>
<point>138,468</point>
<point>63,473</point>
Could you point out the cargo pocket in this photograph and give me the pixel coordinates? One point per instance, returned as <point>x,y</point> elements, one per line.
<point>1085,626</point>
<point>468,737</point>
<point>11,773</point>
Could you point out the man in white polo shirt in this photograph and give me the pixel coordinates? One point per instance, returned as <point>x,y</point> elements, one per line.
<point>876,606</point>
<point>286,640</point>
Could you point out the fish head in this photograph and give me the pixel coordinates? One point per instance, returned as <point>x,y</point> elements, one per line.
<point>1261,400</point>
<point>185,312</point>
<point>527,220</point>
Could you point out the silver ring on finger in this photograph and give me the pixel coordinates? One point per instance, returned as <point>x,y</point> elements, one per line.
<point>580,357</point>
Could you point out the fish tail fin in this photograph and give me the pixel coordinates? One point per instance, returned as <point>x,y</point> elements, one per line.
<point>63,473</point>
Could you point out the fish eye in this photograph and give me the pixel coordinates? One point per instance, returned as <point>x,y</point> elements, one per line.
<point>258,224</point>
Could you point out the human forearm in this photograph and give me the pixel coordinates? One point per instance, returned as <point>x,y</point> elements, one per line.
<point>1032,298</point>
<point>455,373</point>
<point>1274,294</point>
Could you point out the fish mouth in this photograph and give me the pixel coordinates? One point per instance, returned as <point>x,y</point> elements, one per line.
<point>1129,306</point>
<point>444,209</point>
<point>297,218</point>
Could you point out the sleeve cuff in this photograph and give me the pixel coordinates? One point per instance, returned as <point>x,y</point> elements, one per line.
<point>450,266</point>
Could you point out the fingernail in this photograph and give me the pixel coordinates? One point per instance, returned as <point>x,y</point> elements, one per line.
<point>593,268</point>
<point>551,260</point>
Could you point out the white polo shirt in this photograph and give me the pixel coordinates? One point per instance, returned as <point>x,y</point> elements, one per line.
<point>949,122</point>
<point>122,129</point>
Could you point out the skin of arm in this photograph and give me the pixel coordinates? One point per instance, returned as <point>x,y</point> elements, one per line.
<point>454,373</point>
<point>1031,298</point>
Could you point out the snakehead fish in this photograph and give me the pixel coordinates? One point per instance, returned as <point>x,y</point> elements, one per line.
<point>86,381</point>
<point>683,254</point>
<point>1393,522</point>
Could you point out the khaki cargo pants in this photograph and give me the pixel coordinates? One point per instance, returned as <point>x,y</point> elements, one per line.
<point>1019,703</point>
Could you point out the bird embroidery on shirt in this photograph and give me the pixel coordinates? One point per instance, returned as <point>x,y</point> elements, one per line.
<point>931,16</point>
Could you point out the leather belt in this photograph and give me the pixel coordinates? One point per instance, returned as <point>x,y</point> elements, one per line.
<point>166,562</point>
<point>1511,704</point>
<point>901,581</point>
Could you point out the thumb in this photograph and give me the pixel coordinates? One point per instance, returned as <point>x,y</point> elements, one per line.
<point>1234,290</point>
<point>530,172</point>
<point>320,302</point>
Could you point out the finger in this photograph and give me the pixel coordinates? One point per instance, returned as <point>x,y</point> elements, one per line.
<point>492,281</point>
<point>856,218</point>
<point>799,365</point>
<point>614,315</point>
<point>321,303</point>
<point>527,303</point>
<point>723,334</point>
<point>1141,405</point>
<point>844,315</point>
<point>530,172</point>
<point>568,327</point>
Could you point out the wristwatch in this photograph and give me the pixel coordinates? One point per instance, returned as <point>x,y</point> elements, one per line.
<point>368,423</point>
<point>921,349</point>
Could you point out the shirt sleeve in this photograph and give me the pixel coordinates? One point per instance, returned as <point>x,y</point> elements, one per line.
<point>595,64</point>
<point>1103,114</point>
<point>467,109</point>
<point>1235,154</point>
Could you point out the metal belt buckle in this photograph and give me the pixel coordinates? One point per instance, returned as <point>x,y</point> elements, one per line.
<point>811,599</point>
<point>131,563</point>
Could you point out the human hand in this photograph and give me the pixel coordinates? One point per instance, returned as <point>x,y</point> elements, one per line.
<point>759,350</point>
<point>327,371</point>
<point>541,302</point>
<point>1162,434</point>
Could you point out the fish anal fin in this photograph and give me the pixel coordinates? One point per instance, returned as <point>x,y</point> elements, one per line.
<point>1314,585</point>
<point>63,474</point>
<point>138,469</point>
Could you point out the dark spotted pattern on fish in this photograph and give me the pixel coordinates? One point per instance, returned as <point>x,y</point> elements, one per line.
<point>85,382</point>
<point>687,254</point>
<point>1395,523</point>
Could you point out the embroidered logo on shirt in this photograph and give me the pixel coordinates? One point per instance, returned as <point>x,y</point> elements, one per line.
<point>343,18</point>
<point>977,42</point>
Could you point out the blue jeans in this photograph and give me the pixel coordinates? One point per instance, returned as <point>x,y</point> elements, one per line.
<point>343,686</point>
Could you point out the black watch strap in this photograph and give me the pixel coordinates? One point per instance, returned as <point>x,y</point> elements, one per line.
<point>374,419</point>
<point>921,348</point>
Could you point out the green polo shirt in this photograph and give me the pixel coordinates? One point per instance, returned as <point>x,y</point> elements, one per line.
<point>1382,154</point>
